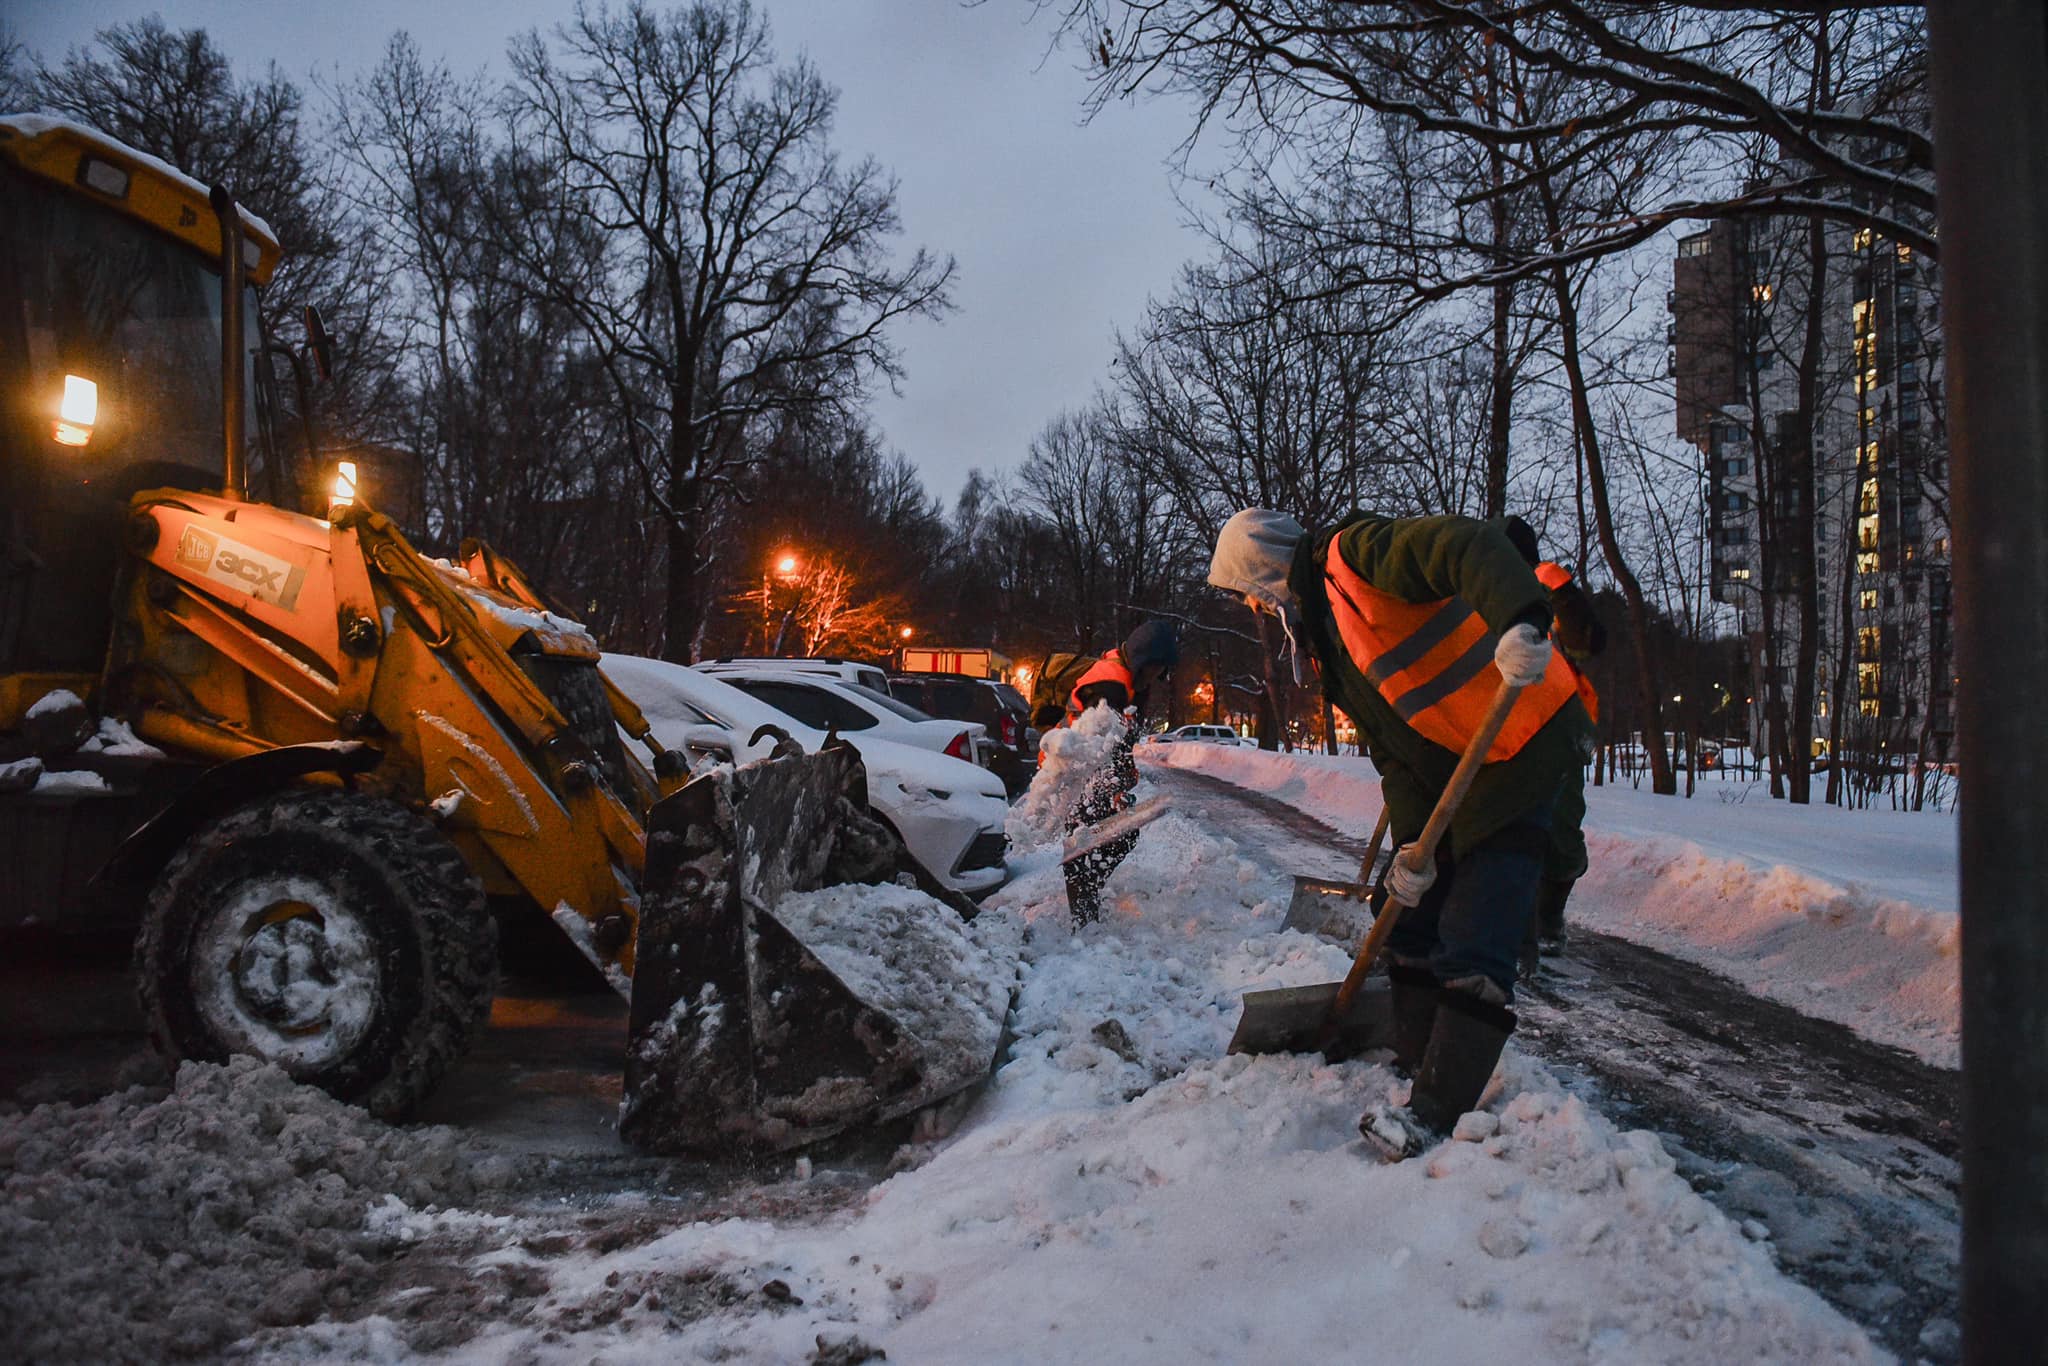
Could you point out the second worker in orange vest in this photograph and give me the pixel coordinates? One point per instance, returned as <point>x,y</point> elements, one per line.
<point>1120,680</point>
<point>1412,623</point>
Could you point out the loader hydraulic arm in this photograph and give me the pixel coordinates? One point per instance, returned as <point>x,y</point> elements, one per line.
<point>572,844</point>
<point>256,628</point>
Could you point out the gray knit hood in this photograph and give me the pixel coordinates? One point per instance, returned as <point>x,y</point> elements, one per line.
<point>1254,555</point>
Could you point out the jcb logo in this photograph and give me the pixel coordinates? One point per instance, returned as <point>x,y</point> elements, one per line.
<point>196,548</point>
<point>262,578</point>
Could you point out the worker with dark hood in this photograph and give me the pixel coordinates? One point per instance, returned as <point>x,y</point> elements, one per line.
<point>1122,681</point>
<point>1413,623</point>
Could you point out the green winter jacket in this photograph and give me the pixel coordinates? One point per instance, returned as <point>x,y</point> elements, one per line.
<point>1424,559</point>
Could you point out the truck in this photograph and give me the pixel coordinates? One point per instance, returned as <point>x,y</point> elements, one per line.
<point>973,662</point>
<point>303,758</point>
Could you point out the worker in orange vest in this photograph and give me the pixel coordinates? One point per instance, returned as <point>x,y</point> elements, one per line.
<point>1413,623</point>
<point>1121,680</point>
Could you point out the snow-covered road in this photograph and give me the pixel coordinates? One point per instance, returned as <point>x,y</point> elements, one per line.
<point>1122,1192</point>
<point>1843,1149</point>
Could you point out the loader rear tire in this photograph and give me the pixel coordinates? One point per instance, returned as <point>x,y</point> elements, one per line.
<point>336,935</point>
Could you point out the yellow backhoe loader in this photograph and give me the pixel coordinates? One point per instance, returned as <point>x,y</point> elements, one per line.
<point>305,754</point>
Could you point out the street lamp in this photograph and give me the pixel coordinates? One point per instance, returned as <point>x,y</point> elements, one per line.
<point>785,566</point>
<point>906,633</point>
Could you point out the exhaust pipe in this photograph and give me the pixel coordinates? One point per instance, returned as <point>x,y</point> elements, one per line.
<point>233,395</point>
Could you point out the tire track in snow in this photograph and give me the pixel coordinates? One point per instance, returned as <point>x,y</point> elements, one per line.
<point>1845,1151</point>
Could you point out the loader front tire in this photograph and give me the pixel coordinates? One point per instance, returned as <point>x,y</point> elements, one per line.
<point>336,935</point>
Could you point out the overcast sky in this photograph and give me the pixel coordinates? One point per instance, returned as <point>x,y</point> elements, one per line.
<point>1062,230</point>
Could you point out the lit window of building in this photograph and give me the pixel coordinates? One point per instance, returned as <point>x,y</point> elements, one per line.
<point>1864,237</point>
<point>1868,599</point>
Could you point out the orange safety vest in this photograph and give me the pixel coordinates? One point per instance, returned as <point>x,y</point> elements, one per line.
<point>1555,576</point>
<point>1109,668</point>
<point>1433,662</point>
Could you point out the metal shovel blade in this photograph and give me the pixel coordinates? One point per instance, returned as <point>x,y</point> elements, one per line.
<point>1297,1020</point>
<point>1340,912</point>
<point>742,1039</point>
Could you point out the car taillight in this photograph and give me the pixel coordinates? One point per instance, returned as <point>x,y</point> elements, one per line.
<point>1010,736</point>
<point>958,749</point>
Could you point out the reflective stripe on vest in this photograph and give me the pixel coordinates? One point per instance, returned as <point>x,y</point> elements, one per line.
<point>1588,696</point>
<point>1433,662</point>
<point>1109,668</point>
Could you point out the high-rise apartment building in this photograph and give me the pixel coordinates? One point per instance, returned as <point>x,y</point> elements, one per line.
<point>1741,335</point>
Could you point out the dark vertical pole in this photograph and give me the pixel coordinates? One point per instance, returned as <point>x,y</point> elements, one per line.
<point>233,350</point>
<point>1990,78</point>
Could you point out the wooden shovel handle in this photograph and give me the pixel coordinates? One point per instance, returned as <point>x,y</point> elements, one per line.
<point>1372,855</point>
<point>1424,849</point>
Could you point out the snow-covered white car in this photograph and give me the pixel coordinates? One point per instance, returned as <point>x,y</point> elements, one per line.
<point>1215,735</point>
<point>949,813</point>
<point>824,703</point>
<point>845,670</point>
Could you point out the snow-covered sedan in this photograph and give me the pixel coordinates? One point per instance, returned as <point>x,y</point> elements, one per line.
<point>949,813</point>
<point>855,711</point>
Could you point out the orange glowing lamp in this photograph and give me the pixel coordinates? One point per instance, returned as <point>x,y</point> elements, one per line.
<point>77,412</point>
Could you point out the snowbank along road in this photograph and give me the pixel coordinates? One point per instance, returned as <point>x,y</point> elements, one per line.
<point>1122,1191</point>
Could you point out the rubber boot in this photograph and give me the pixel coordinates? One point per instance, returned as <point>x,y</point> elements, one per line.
<point>1528,956</point>
<point>1414,1006</point>
<point>1550,900</point>
<point>1464,1047</point>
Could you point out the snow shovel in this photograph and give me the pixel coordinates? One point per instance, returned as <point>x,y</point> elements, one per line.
<point>1338,1019</point>
<point>742,1038</point>
<point>1090,838</point>
<point>1340,911</point>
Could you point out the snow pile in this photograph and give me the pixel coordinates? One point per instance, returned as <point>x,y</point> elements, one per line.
<point>1070,759</point>
<point>1846,916</point>
<point>146,1226</point>
<point>115,740</point>
<point>946,982</point>
<point>72,782</point>
<point>53,702</point>
<point>1340,790</point>
<point>1836,951</point>
<point>1128,1193</point>
<point>59,726</point>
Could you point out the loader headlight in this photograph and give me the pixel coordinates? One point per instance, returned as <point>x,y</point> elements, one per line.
<point>76,412</point>
<point>344,495</point>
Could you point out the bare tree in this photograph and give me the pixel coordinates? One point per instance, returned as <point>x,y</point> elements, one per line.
<point>1651,67</point>
<point>742,267</point>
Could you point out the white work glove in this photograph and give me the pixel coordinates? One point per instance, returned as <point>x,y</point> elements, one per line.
<point>1522,655</point>
<point>1404,884</point>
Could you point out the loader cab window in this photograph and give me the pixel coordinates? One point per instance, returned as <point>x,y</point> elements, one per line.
<point>110,383</point>
<point>102,297</point>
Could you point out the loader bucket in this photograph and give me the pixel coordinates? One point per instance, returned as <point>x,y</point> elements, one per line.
<point>742,1038</point>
